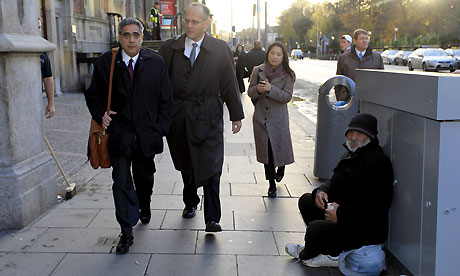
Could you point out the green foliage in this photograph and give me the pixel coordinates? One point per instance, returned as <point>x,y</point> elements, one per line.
<point>419,22</point>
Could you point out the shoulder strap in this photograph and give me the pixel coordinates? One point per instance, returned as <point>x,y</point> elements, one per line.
<point>109,99</point>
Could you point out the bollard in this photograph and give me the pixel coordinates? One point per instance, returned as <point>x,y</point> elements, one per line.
<point>332,120</point>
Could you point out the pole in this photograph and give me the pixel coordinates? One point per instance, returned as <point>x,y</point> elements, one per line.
<point>317,35</point>
<point>258,19</point>
<point>231,23</point>
<point>252,30</point>
<point>266,26</point>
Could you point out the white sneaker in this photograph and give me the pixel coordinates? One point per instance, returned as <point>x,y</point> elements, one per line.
<point>293,249</point>
<point>322,260</point>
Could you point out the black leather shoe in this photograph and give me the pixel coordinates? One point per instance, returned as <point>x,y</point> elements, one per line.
<point>124,244</point>
<point>189,212</point>
<point>278,178</point>
<point>272,192</point>
<point>212,226</point>
<point>145,216</point>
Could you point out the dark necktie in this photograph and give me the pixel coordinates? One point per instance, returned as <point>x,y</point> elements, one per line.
<point>130,68</point>
<point>193,54</point>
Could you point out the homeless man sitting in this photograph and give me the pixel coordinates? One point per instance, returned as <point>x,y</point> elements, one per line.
<point>351,210</point>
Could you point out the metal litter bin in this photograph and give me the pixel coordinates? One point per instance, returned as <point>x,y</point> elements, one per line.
<point>332,120</point>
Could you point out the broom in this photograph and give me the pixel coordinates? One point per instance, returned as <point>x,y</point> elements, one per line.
<point>70,191</point>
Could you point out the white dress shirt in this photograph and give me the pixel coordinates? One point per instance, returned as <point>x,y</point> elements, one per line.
<point>358,52</point>
<point>189,46</point>
<point>126,58</point>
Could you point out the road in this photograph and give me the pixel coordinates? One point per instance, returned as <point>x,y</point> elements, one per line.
<point>311,73</point>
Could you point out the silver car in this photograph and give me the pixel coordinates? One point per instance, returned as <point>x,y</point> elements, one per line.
<point>388,56</point>
<point>430,59</point>
<point>401,57</point>
<point>455,53</point>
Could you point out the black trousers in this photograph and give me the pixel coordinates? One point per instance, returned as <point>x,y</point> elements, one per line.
<point>211,203</point>
<point>239,78</point>
<point>270,170</point>
<point>156,32</point>
<point>322,237</point>
<point>130,198</point>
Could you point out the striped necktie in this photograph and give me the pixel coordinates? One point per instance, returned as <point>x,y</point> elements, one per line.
<point>193,54</point>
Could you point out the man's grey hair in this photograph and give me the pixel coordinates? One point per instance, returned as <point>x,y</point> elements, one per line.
<point>206,11</point>
<point>130,21</point>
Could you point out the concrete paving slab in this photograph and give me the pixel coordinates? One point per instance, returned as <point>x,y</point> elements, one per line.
<point>256,190</point>
<point>237,178</point>
<point>106,219</point>
<point>298,190</point>
<point>21,240</point>
<point>67,217</point>
<point>245,168</point>
<point>163,241</point>
<point>305,161</point>
<point>103,264</point>
<point>29,264</point>
<point>163,187</point>
<point>237,160</point>
<point>76,240</point>
<point>192,265</point>
<point>233,151</point>
<point>89,201</point>
<point>163,202</point>
<point>174,221</point>
<point>97,187</point>
<point>282,204</point>
<point>275,265</point>
<point>240,203</point>
<point>236,242</point>
<point>296,178</point>
<point>283,238</point>
<point>316,182</point>
<point>268,221</point>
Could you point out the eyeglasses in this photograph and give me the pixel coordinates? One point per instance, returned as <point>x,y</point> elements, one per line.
<point>194,22</point>
<point>128,35</point>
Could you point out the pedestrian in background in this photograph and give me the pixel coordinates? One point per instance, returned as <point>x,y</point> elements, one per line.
<point>255,57</point>
<point>360,56</point>
<point>345,43</point>
<point>240,69</point>
<point>141,108</point>
<point>271,88</point>
<point>47,78</point>
<point>155,19</point>
<point>203,78</point>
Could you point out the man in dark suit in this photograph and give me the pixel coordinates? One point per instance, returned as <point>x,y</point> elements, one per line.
<point>255,57</point>
<point>139,118</point>
<point>203,78</point>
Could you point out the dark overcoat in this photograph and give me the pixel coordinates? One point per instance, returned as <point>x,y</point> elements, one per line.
<point>349,62</point>
<point>271,118</point>
<point>362,185</point>
<point>196,134</point>
<point>254,57</point>
<point>144,105</point>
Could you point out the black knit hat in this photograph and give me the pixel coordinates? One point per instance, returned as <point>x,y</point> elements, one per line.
<point>364,123</point>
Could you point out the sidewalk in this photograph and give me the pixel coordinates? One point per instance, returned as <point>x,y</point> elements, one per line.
<point>78,236</point>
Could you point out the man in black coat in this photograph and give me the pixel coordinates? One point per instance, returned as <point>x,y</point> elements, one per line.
<point>139,118</point>
<point>255,57</point>
<point>203,77</point>
<point>351,210</point>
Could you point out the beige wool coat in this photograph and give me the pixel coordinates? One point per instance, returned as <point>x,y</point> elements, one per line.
<point>271,118</point>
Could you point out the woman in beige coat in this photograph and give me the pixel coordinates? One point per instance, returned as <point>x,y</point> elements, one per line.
<point>270,89</point>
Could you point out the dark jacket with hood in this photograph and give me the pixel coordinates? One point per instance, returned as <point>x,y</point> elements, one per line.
<point>362,185</point>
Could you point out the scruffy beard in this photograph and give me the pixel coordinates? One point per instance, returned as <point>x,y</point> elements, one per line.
<point>353,145</point>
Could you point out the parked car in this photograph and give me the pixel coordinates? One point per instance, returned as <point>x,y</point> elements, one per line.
<point>401,57</point>
<point>296,54</point>
<point>455,53</point>
<point>430,59</point>
<point>388,56</point>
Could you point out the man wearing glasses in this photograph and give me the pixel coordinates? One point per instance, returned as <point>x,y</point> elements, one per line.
<point>139,118</point>
<point>203,78</point>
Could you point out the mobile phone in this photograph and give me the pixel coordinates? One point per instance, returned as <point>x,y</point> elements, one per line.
<point>325,203</point>
<point>262,81</point>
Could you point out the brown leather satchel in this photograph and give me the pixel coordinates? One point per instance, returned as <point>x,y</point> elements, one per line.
<point>98,142</point>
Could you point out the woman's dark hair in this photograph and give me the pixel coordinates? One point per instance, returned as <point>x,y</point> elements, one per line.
<point>242,47</point>
<point>285,62</point>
